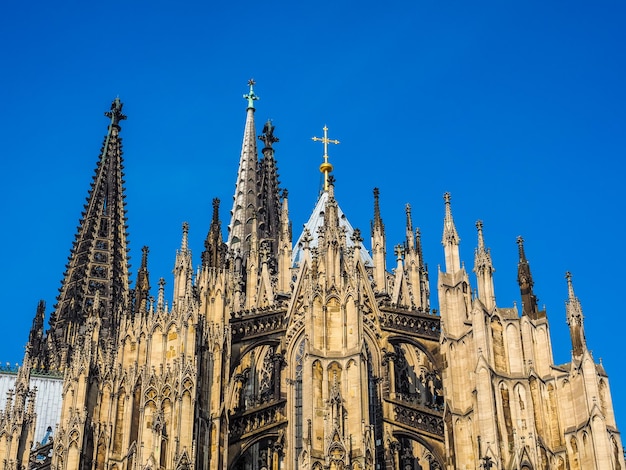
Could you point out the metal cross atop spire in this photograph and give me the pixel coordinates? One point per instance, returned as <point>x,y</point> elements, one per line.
<point>251,97</point>
<point>325,167</point>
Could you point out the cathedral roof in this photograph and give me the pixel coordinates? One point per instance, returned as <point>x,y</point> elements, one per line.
<point>316,220</point>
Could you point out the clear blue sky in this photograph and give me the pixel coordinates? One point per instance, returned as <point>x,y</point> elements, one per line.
<point>516,108</point>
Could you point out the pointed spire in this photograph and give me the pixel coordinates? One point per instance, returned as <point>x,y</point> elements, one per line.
<point>268,213</point>
<point>36,337</point>
<point>184,244</point>
<point>214,248</point>
<point>98,263</point>
<point>483,267</point>
<point>183,270</point>
<point>245,200</point>
<point>142,286</point>
<point>575,319</point>
<point>161,297</point>
<point>379,249</point>
<point>378,221</point>
<point>450,240</point>
<point>410,240</point>
<point>525,281</point>
<point>285,249</point>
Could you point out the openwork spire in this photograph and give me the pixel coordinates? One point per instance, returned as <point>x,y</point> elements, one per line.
<point>268,213</point>
<point>98,264</point>
<point>575,319</point>
<point>245,201</point>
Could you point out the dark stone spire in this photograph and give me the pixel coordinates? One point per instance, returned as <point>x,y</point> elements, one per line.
<point>525,281</point>
<point>98,263</point>
<point>377,225</point>
<point>268,212</point>
<point>142,286</point>
<point>214,252</point>
<point>36,337</point>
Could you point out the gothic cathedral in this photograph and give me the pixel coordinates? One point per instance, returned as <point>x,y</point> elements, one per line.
<point>275,355</point>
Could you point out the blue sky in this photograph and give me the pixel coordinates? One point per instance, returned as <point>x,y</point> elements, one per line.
<point>516,108</point>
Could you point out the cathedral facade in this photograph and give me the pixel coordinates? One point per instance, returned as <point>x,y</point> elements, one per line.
<point>285,353</point>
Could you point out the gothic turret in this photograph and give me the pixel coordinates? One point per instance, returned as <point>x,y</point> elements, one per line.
<point>98,264</point>
<point>575,318</point>
<point>245,200</point>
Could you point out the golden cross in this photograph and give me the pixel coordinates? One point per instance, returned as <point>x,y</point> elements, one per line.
<point>325,167</point>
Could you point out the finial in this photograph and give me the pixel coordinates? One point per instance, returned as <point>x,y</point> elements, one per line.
<point>268,137</point>
<point>450,235</point>
<point>378,221</point>
<point>116,112</point>
<point>250,96</point>
<point>409,222</point>
<point>481,241</point>
<point>185,242</point>
<point>144,257</point>
<point>216,210</point>
<point>520,244</point>
<point>325,167</point>
<point>570,285</point>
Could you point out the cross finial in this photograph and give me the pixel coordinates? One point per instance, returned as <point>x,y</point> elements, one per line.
<point>325,167</point>
<point>116,112</point>
<point>250,96</point>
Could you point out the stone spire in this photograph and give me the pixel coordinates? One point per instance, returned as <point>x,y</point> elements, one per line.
<point>183,269</point>
<point>379,249</point>
<point>525,281</point>
<point>410,238</point>
<point>245,201</point>
<point>268,213</point>
<point>36,337</point>
<point>284,246</point>
<point>142,285</point>
<point>575,319</point>
<point>450,240</point>
<point>98,264</point>
<point>483,267</point>
<point>214,248</point>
